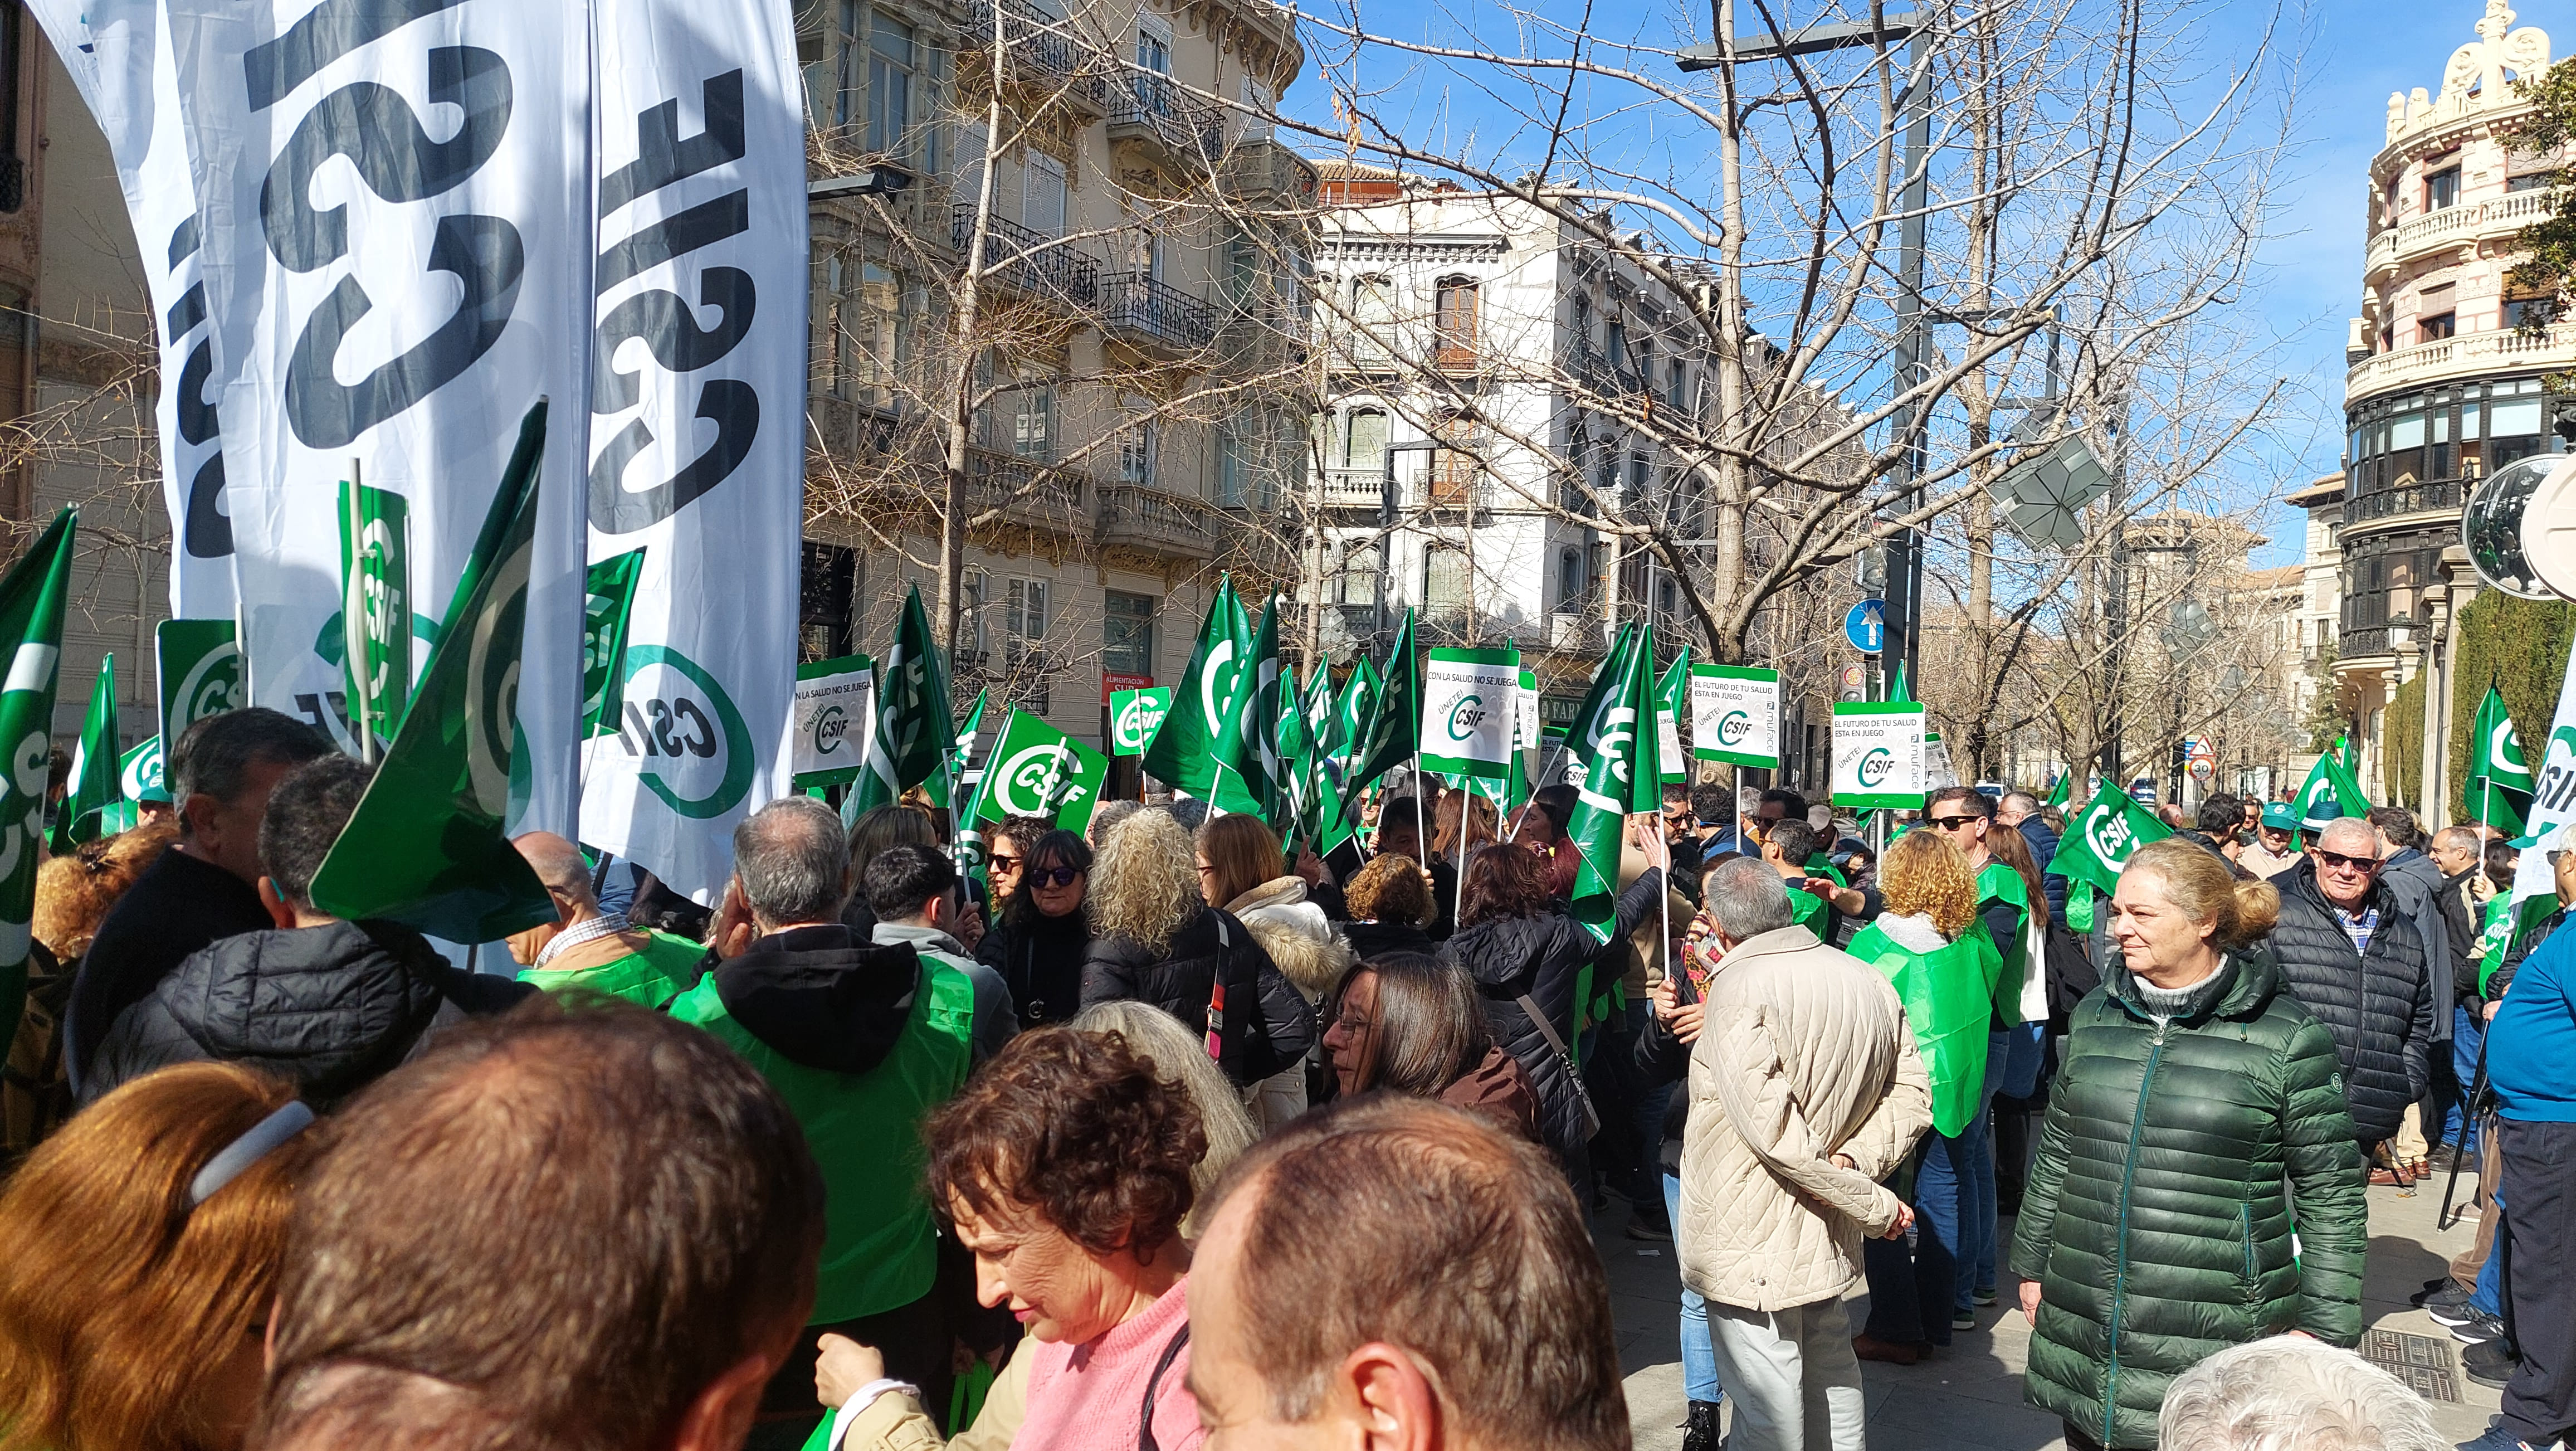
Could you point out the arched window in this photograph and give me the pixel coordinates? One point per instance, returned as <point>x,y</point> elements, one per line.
<point>1364,440</point>
<point>1373,318</point>
<point>1453,341</point>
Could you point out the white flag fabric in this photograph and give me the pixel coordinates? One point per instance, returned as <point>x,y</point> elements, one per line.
<point>396,265</point>
<point>2552,823</point>
<point>118,54</point>
<point>697,450</point>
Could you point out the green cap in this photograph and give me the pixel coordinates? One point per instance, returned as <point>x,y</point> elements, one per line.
<point>2278,816</point>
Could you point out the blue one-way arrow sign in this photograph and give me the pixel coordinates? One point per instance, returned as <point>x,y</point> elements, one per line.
<point>1866,626</point>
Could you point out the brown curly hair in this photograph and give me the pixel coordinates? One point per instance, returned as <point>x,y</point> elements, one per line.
<point>74,893</point>
<point>1389,889</point>
<point>1925,873</point>
<point>1078,1127</point>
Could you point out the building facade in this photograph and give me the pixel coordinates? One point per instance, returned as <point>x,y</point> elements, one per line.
<point>2446,364</point>
<point>1062,275</point>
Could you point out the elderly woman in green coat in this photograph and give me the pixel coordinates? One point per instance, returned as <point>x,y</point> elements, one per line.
<point>2197,1117</point>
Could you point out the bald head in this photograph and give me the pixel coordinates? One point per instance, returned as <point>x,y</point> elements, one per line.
<point>561,866</point>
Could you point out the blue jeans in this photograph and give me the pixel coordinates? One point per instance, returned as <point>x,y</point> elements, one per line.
<point>2487,1295</point>
<point>1699,1356</point>
<point>2468,1031</point>
<point>2012,1069</point>
<point>1912,1297</point>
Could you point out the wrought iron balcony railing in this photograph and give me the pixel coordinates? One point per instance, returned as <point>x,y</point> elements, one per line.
<point>1144,308</point>
<point>1028,262</point>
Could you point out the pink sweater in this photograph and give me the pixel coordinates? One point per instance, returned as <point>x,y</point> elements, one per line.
<point>1085,1397</point>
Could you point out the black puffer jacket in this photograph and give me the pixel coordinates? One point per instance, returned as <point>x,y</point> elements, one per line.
<point>1267,1025</point>
<point>2379,1008</point>
<point>1040,959</point>
<point>2173,1163</point>
<point>1540,958</point>
<point>333,1008</point>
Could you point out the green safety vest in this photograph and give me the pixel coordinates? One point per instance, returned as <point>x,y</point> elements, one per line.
<point>1997,882</point>
<point>1807,910</point>
<point>1948,997</point>
<point>664,969</point>
<point>879,1245</point>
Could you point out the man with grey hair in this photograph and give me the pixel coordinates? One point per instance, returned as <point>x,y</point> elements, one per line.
<point>862,1040</point>
<point>1805,1092</point>
<point>2352,956</point>
<point>2293,1391</point>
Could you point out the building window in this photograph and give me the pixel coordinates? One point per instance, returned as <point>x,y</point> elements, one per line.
<point>1042,195</point>
<point>1354,582</point>
<point>1024,620</point>
<point>1444,580</point>
<point>826,601</point>
<point>1454,324</point>
<point>2535,312</point>
<point>1582,323</point>
<point>1573,591</point>
<point>849,82</point>
<point>1127,634</point>
<point>2437,327</point>
<point>1455,463</point>
<point>1364,440</point>
<point>1678,397</point>
<point>890,63</point>
<point>1136,447</point>
<point>2442,188</point>
<point>1373,320</point>
<point>1637,475</point>
<point>1028,414</point>
<point>1154,44</point>
<point>2532,181</point>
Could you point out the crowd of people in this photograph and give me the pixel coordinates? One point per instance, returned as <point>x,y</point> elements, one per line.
<point>1162,1135</point>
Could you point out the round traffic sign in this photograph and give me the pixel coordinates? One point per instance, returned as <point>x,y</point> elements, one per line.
<point>1865,626</point>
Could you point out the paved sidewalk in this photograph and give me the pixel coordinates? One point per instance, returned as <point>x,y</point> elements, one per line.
<point>1971,1395</point>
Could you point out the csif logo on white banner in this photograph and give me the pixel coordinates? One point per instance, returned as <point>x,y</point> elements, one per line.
<point>697,404</point>
<point>393,276</point>
<point>118,55</point>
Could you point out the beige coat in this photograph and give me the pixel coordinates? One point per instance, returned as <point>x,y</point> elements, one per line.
<point>1805,1053</point>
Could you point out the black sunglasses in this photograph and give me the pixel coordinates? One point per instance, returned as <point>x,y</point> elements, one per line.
<point>2355,863</point>
<point>1054,877</point>
<point>1006,863</point>
<point>1951,823</point>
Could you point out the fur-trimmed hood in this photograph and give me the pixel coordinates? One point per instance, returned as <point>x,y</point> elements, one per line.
<point>1296,934</point>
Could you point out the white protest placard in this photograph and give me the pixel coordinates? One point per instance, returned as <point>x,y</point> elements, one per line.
<point>1878,755</point>
<point>1735,715</point>
<point>827,723</point>
<point>1468,712</point>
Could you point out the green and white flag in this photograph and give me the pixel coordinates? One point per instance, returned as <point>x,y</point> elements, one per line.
<point>2551,824</point>
<point>426,846</point>
<point>2057,793</point>
<point>828,718</point>
<point>1897,694</point>
<point>199,665</point>
<point>1467,717</point>
<point>1183,752</point>
<point>1394,722</point>
<point>375,612</point>
<point>32,597</point>
<point>139,773</point>
<point>2330,791</point>
<point>1878,755</point>
<point>1735,715</point>
<point>1583,732</point>
<point>1621,777</point>
<point>95,785</point>
<point>944,785</point>
<point>608,601</point>
<point>2498,793</point>
<point>2098,844</point>
<point>1250,767</point>
<point>910,732</point>
<point>1672,705</point>
<point>1037,770</point>
<point>1134,716</point>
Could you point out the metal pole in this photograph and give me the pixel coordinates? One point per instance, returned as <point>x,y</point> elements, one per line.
<point>1904,550</point>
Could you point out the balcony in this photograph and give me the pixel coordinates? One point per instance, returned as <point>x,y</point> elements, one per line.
<point>1043,268</point>
<point>1153,120</point>
<point>1260,171</point>
<point>1146,312</point>
<point>1026,490</point>
<point>1141,521</point>
<point>1354,489</point>
<point>1593,369</point>
<point>2454,226</point>
<point>2469,355</point>
<point>1041,55</point>
<point>2354,644</point>
<point>2442,496</point>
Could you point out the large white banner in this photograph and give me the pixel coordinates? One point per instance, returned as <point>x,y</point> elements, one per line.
<point>1878,755</point>
<point>1468,716</point>
<point>118,55</point>
<point>396,264</point>
<point>1735,714</point>
<point>697,419</point>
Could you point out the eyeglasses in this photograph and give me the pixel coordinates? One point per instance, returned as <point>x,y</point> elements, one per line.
<point>2553,858</point>
<point>2362,864</point>
<point>1951,823</point>
<point>1055,877</point>
<point>1005,863</point>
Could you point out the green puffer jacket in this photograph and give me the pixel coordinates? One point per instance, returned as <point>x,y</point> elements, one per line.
<point>2173,1164</point>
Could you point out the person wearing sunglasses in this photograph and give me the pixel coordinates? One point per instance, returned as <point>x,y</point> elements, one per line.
<point>1041,935</point>
<point>2353,957</point>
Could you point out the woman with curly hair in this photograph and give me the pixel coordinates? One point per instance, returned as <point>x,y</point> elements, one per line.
<point>1065,1168</point>
<point>1156,940</point>
<point>1389,901</point>
<point>144,1246</point>
<point>1933,947</point>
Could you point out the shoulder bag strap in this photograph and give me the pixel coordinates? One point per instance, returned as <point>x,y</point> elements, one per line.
<point>1216,994</point>
<point>1153,1386</point>
<point>1546,1029</point>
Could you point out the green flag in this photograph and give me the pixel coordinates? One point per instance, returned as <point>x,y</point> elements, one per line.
<point>1183,751</point>
<point>2057,793</point>
<point>32,596</point>
<point>1394,721</point>
<point>1672,707</point>
<point>95,785</point>
<point>2499,789</point>
<point>139,774</point>
<point>199,665</point>
<point>425,847</point>
<point>2329,792</point>
<point>1351,713</point>
<point>375,611</point>
<point>1583,730</point>
<point>1134,716</point>
<point>912,733</point>
<point>942,784</point>
<point>608,598</point>
<point>1248,756</point>
<point>1622,777</point>
<point>2098,843</point>
<point>1037,770</point>
<point>1897,694</point>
